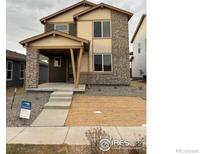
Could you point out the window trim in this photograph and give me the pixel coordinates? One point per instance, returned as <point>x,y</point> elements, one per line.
<point>102,37</point>
<point>67,25</point>
<point>10,79</point>
<point>60,61</point>
<point>20,70</point>
<point>102,54</point>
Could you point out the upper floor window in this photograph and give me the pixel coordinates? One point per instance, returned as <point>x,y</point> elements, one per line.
<point>102,29</point>
<point>139,48</point>
<point>62,27</point>
<point>21,75</point>
<point>102,63</point>
<point>57,61</point>
<point>9,70</point>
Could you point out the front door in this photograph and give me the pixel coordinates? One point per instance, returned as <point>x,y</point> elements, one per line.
<point>57,68</point>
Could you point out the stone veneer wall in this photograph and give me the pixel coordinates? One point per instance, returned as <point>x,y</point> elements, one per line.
<point>120,56</point>
<point>32,68</point>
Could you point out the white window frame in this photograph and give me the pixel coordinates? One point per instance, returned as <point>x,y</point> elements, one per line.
<point>102,29</point>
<point>9,70</point>
<point>67,25</point>
<point>54,61</point>
<point>20,70</point>
<point>102,54</point>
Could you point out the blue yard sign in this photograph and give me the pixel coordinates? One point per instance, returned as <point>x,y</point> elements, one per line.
<point>26,107</point>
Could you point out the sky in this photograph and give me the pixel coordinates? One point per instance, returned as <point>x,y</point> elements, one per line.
<point>22,17</point>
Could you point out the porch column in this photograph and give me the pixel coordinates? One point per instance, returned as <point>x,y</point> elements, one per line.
<point>32,68</point>
<point>73,66</point>
<point>79,65</point>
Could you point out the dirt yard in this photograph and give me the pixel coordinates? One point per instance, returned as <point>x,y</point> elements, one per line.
<point>107,111</point>
<point>38,100</point>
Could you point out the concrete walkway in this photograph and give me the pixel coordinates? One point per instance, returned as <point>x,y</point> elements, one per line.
<point>68,135</point>
<point>51,117</point>
<point>55,111</point>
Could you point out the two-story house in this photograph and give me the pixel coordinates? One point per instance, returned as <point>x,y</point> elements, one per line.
<point>85,43</point>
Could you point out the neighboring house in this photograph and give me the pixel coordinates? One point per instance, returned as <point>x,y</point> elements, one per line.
<point>15,68</point>
<point>85,43</point>
<point>138,58</point>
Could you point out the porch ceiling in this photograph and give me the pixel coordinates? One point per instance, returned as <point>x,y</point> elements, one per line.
<point>55,40</point>
<point>48,52</point>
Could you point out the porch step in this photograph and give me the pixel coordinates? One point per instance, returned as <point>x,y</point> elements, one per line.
<point>55,98</point>
<point>64,90</point>
<point>61,94</point>
<point>57,105</point>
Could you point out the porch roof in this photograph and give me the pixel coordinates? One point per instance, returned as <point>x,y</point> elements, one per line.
<point>54,39</point>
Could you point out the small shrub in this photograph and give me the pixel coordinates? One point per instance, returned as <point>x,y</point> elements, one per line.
<point>94,136</point>
<point>139,146</point>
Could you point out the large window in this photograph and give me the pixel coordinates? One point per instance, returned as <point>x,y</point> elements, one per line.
<point>106,28</point>
<point>57,62</point>
<point>97,29</point>
<point>9,70</point>
<point>98,62</point>
<point>62,27</point>
<point>21,75</point>
<point>102,63</point>
<point>107,62</point>
<point>102,29</point>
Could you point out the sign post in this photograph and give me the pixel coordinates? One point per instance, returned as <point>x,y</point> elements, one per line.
<point>13,98</point>
<point>25,110</point>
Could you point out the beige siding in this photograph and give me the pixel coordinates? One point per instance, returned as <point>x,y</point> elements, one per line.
<point>68,16</point>
<point>102,46</point>
<point>84,64</point>
<point>85,31</point>
<point>54,41</point>
<point>97,14</point>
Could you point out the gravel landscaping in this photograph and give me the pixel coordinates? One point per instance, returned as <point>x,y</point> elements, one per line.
<point>38,100</point>
<point>101,90</point>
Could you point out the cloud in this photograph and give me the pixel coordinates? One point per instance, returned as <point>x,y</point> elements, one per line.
<point>23,16</point>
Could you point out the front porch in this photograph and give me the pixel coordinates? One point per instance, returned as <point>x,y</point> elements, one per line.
<point>58,86</point>
<point>65,54</point>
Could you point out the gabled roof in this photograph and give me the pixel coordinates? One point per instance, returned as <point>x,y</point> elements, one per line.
<point>34,38</point>
<point>102,5</point>
<point>84,2</point>
<point>138,27</point>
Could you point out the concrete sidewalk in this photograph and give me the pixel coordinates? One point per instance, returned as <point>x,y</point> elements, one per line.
<point>67,135</point>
